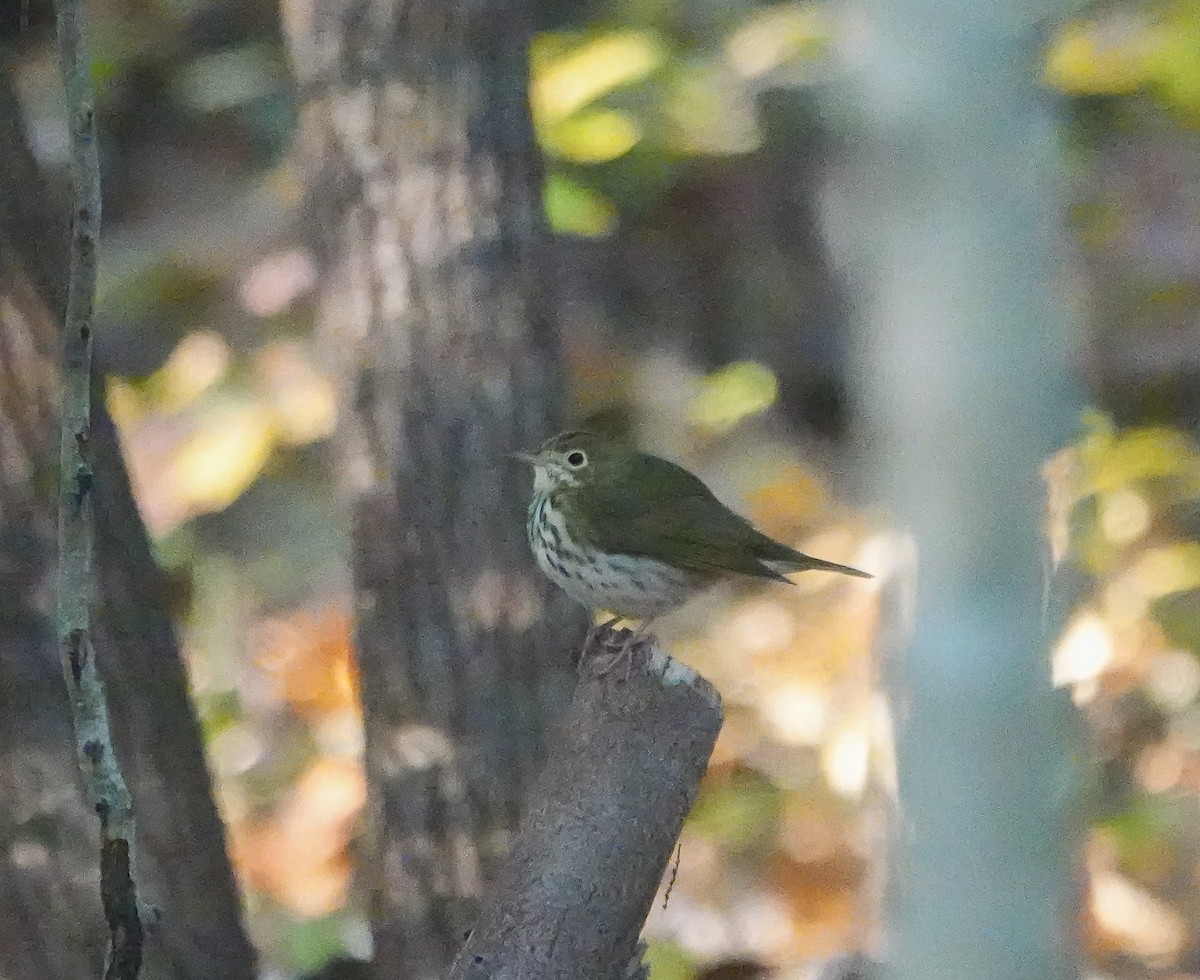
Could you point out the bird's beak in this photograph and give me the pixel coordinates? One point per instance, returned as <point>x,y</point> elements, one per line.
<point>524,457</point>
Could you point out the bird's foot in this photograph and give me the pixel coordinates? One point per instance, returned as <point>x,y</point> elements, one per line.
<point>596,629</point>
<point>627,643</point>
<point>596,633</point>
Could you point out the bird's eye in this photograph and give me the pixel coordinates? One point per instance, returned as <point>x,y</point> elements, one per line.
<point>576,459</point>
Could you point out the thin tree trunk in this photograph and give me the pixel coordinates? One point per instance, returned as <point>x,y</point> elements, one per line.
<point>104,782</point>
<point>964,374</point>
<point>423,179</point>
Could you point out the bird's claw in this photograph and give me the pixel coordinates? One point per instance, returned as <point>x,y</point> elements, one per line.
<point>600,634</point>
<point>626,643</point>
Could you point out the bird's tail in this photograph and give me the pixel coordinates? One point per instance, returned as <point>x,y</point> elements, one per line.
<point>799,562</point>
<point>820,565</point>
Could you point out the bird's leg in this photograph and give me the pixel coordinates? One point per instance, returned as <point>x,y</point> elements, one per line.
<point>625,652</point>
<point>594,630</point>
<point>597,628</point>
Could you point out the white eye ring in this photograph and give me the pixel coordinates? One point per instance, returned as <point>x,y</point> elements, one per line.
<point>577,459</point>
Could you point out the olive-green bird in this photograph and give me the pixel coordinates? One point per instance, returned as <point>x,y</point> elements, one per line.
<point>634,534</point>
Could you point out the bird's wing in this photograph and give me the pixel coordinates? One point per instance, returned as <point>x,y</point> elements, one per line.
<point>673,518</point>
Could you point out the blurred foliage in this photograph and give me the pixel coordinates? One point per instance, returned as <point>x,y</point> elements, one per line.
<point>673,135</point>
<point>1132,48</point>
<point>1124,504</point>
<point>620,112</point>
<point>740,808</point>
<point>734,393</point>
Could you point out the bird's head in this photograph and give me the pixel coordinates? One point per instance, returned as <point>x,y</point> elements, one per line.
<point>568,461</point>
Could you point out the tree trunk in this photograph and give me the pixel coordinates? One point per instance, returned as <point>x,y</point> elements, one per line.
<point>964,373</point>
<point>49,841</point>
<point>591,852</point>
<point>52,925</point>
<point>424,187</point>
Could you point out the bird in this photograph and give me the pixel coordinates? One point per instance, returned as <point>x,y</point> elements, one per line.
<point>637,536</point>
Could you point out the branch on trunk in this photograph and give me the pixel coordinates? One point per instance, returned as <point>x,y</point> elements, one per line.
<point>600,825</point>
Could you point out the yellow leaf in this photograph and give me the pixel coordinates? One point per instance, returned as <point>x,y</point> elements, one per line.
<point>1100,59</point>
<point>593,137</point>
<point>1171,568</point>
<point>566,80</point>
<point>219,461</point>
<point>734,393</point>
<point>197,363</point>
<point>775,36</point>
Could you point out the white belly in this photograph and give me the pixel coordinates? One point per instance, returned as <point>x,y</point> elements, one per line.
<point>638,588</point>
<point>633,587</point>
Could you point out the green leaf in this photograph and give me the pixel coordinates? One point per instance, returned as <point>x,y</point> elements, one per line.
<point>574,209</point>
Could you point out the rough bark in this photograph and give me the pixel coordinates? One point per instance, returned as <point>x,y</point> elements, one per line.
<point>48,847</point>
<point>423,179</point>
<point>49,880</point>
<point>600,827</point>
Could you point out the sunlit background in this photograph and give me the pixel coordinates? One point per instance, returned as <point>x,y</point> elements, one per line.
<point>685,154</point>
